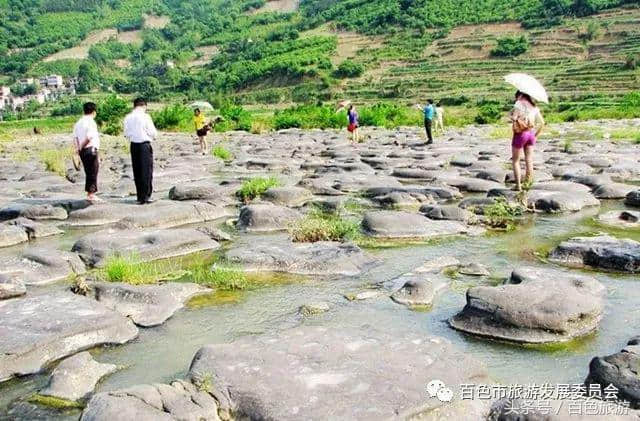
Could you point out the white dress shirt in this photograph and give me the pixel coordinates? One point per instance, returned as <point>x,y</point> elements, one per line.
<point>138,126</point>
<point>86,128</point>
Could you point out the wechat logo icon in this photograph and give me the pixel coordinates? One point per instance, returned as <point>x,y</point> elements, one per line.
<point>437,389</point>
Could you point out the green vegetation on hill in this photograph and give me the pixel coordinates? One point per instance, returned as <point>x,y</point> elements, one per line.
<point>239,58</point>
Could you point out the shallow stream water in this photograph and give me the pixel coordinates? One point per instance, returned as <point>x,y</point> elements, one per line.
<point>164,353</point>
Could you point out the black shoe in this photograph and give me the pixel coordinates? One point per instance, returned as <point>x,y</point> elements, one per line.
<point>140,202</point>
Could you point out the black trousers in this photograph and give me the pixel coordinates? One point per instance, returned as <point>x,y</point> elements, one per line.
<point>427,127</point>
<point>142,163</point>
<point>91,164</point>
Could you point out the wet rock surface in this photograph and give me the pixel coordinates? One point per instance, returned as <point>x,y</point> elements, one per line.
<point>76,377</point>
<point>534,306</point>
<point>369,366</point>
<point>39,329</point>
<point>603,251</point>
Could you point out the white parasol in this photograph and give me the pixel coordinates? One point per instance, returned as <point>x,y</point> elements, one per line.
<point>529,85</point>
<point>202,105</point>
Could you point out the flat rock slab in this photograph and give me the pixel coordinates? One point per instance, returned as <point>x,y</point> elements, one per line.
<point>160,214</point>
<point>11,287</point>
<point>146,305</point>
<point>603,252</point>
<point>613,190</point>
<point>148,245</point>
<point>11,235</point>
<point>320,258</point>
<point>266,217</point>
<point>621,219</point>
<point>534,306</point>
<point>447,213</point>
<point>32,211</point>
<point>398,224</point>
<point>179,400</point>
<point>633,198</point>
<point>76,377</point>
<point>39,329</point>
<point>40,266</point>
<point>319,373</point>
<point>287,196</point>
<point>621,371</point>
<point>35,229</point>
<point>418,290</point>
<point>560,201</point>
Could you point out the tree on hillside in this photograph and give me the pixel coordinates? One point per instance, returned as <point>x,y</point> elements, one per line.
<point>88,77</point>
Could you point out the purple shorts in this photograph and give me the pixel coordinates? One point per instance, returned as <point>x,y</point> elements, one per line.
<point>527,138</point>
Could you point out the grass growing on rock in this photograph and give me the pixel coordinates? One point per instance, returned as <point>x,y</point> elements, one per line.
<point>54,160</point>
<point>132,270</point>
<point>254,187</point>
<point>53,402</point>
<point>324,226</point>
<point>502,214</point>
<point>222,153</point>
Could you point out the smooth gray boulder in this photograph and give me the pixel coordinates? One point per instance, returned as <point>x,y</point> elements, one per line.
<point>473,269</point>
<point>613,190</point>
<point>633,198</point>
<point>560,201</point>
<point>11,235</point>
<point>471,184</point>
<point>76,377</point>
<point>319,258</point>
<point>448,213</point>
<point>10,287</point>
<point>367,375</point>
<point>591,180</point>
<point>604,252</point>
<point>147,245</point>
<point>266,217</point>
<point>398,224</point>
<point>621,371</point>
<point>401,200</point>
<point>222,195</point>
<point>418,290</point>
<point>40,265</point>
<point>35,229</point>
<point>146,305</point>
<point>621,219</point>
<point>179,400</point>
<point>32,211</point>
<point>41,328</point>
<point>534,306</point>
<point>287,196</point>
<point>160,214</point>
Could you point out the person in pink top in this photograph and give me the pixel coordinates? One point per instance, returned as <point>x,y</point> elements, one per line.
<point>527,124</point>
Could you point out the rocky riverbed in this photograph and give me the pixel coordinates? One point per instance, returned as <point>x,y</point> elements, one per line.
<point>450,280</point>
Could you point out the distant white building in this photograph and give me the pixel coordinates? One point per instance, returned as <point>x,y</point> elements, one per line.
<point>26,81</point>
<point>52,81</point>
<point>5,95</point>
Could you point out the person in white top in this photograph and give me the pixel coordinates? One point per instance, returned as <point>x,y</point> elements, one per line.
<point>527,124</point>
<point>439,118</point>
<point>140,130</point>
<point>86,140</point>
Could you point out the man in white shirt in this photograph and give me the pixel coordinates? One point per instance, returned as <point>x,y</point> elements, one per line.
<point>87,143</point>
<point>140,130</point>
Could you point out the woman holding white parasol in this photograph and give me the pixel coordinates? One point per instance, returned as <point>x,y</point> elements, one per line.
<point>526,122</point>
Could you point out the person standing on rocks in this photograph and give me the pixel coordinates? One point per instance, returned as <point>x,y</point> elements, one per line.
<point>86,140</point>
<point>439,118</point>
<point>527,124</point>
<point>140,130</point>
<point>429,113</point>
<point>352,115</point>
<point>201,129</point>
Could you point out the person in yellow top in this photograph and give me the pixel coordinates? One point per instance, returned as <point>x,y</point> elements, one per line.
<point>201,129</point>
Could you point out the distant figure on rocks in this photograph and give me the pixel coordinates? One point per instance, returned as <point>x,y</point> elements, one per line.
<point>140,130</point>
<point>86,140</point>
<point>36,130</point>
<point>527,124</point>
<point>429,113</point>
<point>353,126</point>
<point>201,129</point>
<point>439,117</point>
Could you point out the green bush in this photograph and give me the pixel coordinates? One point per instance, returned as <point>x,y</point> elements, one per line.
<point>111,111</point>
<point>238,115</point>
<point>511,46</point>
<point>254,187</point>
<point>349,68</point>
<point>68,107</point>
<point>488,114</point>
<point>172,117</point>
<point>502,214</point>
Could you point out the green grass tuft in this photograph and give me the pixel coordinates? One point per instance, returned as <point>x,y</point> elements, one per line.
<point>53,402</point>
<point>131,270</point>
<point>502,214</point>
<point>254,187</point>
<point>219,276</point>
<point>54,160</point>
<point>322,226</point>
<point>222,153</point>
